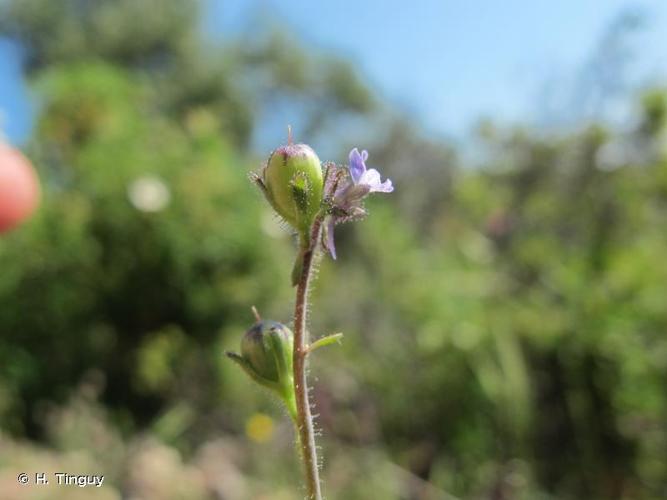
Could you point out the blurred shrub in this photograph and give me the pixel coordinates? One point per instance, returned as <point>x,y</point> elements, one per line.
<point>525,323</point>
<point>147,228</point>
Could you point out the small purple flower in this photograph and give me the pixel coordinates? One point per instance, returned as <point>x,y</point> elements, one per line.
<point>348,197</point>
<point>371,177</point>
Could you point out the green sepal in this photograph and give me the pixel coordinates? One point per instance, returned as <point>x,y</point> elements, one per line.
<point>260,184</point>
<point>300,191</point>
<point>240,360</point>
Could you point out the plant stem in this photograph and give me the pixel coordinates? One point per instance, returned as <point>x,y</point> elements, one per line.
<point>304,419</point>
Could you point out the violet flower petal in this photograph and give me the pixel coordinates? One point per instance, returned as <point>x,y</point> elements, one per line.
<point>371,178</point>
<point>384,187</point>
<point>357,165</point>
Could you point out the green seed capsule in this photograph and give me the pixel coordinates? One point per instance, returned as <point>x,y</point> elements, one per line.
<point>294,182</point>
<point>266,355</point>
<point>267,347</point>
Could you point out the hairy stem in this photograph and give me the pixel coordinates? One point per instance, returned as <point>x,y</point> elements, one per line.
<point>304,419</point>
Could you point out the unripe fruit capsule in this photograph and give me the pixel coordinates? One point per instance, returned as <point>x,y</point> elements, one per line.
<point>294,181</point>
<point>267,348</point>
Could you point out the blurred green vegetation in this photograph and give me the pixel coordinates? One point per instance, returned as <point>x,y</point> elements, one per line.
<point>504,324</point>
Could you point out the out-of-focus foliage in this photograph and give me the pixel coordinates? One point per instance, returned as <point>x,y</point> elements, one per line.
<point>106,278</point>
<point>504,325</point>
<point>528,324</point>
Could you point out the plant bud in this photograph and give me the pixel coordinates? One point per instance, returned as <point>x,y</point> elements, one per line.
<point>293,181</point>
<point>266,355</point>
<point>267,347</point>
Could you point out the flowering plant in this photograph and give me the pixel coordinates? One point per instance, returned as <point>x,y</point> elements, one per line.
<point>312,198</point>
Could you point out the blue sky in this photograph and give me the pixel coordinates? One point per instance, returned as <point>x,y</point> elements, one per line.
<point>446,62</point>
